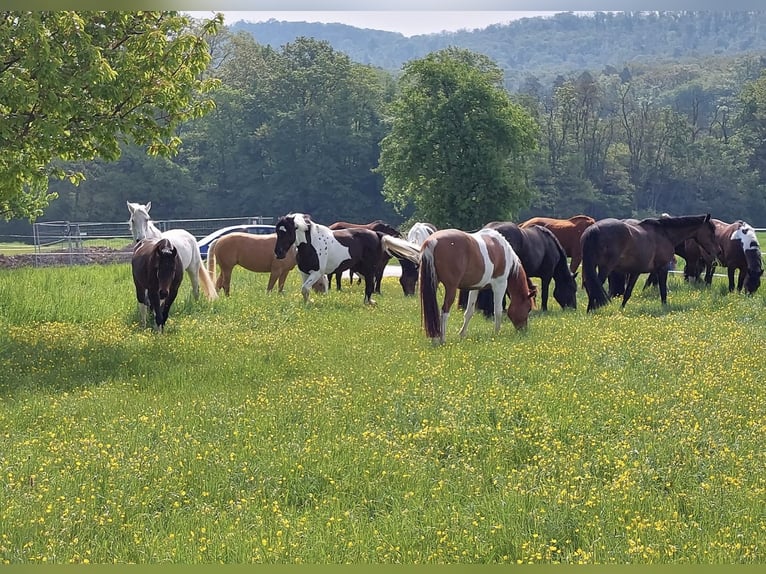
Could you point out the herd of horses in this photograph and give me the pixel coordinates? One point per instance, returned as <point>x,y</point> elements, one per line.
<point>489,269</point>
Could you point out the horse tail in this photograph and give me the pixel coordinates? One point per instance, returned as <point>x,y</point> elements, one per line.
<point>401,248</point>
<point>211,260</point>
<point>597,296</point>
<point>429,306</point>
<point>208,287</point>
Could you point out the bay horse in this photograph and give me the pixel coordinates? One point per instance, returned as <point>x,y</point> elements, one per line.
<point>321,251</point>
<point>542,256</point>
<point>460,260</point>
<point>254,253</point>
<point>157,274</point>
<point>739,251</point>
<point>568,232</point>
<point>379,226</point>
<point>142,227</point>
<point>633,248</point>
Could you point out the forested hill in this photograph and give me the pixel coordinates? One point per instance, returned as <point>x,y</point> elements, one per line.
<point>547,46</point>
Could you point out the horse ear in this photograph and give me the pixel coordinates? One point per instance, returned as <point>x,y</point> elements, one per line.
<point>130,206</point>
<point>707,217</point>
<point>148,206</point>
<point>307,218</point>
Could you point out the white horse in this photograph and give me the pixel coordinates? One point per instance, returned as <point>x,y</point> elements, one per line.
<point>141,227</point>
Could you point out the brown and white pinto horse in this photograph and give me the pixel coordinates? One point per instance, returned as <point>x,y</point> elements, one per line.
<point>568,232</point>
<point>157,273</point>
<point>254,253</point>
<point>460,260</point>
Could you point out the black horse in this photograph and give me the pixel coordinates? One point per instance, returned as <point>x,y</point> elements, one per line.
<point>612,245</point>
<point>378,226</point>
<point>157,274</point>
<point>542,256</point>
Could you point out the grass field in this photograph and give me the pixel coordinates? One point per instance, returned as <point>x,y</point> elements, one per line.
<point>260,429</point>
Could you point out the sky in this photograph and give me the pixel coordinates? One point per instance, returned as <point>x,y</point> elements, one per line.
<point>409,23</point>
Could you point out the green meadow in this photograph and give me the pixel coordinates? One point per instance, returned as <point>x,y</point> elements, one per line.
<point>259,429</point>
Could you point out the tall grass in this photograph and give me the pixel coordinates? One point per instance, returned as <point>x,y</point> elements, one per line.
<point>260,429</point>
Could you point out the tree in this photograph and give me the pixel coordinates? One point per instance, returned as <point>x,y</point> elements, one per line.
<point>74,85</point>
<point>457,142</point>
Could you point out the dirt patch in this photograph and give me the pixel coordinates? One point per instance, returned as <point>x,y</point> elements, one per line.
<point>85,256</point>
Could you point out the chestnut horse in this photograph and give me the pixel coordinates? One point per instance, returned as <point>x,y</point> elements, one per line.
<point>157,274</point>
<point>739,251</point>
<point>379,226</point>
<point>254,253</point>
<point>460,260</point>
<point>612,245</point>
<point>568,232</point>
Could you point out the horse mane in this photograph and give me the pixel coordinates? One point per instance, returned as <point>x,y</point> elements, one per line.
<point>562,254</point>
<point>302,221</point>
<point>679,221</point>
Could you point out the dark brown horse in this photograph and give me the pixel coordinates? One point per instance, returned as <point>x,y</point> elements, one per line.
<point>254,253</point>
<point>568,232</point>
<point>614,245</point>
<point>460,260</point>
<point>379,226</point>
<point>322,251</point>
<point>157,274</point>
<point>542,256</point>
<point>739,251</point>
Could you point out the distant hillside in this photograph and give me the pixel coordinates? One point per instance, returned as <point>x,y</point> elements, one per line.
<point>546,47</point>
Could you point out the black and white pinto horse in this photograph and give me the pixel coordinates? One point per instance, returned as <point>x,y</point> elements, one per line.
<point>322,251</point>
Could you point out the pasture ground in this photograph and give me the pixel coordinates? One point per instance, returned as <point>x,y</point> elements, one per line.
<point>260,429</point>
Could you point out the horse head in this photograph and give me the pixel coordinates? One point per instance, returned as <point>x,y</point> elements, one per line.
<point>287,229</point>
<point>746,235</point>
<point>409,276</point>
<point>165,261</point>
<point>139,219</point>
<point>565,289</point>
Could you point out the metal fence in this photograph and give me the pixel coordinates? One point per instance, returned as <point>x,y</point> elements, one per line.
<point>70,243</point>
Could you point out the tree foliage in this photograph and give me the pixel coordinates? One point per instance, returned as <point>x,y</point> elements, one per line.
<point>74,84</point>
<point>456,145</point>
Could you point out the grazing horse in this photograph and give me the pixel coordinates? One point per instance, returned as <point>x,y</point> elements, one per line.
<point>633,248</point>
<point>568,232</point>
<point>322,251</point>
<point>378,225</point>
<point>739,250</point>
<point>542,256</point>
<point>157,274</point>
<point>460,260</point>
<point>141,227</point>
<point>254,253</point>
<point>417,234</point>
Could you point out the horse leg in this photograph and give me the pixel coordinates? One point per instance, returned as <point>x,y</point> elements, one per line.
<point>730,273</point>
<point>741,280</point>
<point>156,307</point>
<point>662,283</point>
<point>309,281</point>
<point>470,307</point>
<point>225,280</point>
<point>629,284</point>
<point>273,276</point>
<point>369,287</point>
<point>449,299</point>
<point>545,283</point>
<point>194,278</point>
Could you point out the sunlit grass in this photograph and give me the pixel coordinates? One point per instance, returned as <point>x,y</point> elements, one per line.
<point>260,429</point>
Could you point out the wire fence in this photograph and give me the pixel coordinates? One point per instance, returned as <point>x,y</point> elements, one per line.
<point>73,243</point>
